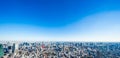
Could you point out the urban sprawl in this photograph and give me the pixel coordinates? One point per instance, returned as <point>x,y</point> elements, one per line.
<point>59,50</point>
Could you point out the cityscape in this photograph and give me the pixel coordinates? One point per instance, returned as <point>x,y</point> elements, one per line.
<point>59,28</point>
<point>59,49</point>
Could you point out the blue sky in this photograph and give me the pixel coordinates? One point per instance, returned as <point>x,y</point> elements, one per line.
<point>60,20</point>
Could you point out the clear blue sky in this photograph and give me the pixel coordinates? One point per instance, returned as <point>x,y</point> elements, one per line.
<point>57,19</point>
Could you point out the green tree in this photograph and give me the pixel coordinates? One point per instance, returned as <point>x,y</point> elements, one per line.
<point>1,50</point>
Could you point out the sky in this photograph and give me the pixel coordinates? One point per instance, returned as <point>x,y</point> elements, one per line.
<point>60,20</point>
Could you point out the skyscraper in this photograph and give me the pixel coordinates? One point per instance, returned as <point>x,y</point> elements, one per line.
<point>13,48</point>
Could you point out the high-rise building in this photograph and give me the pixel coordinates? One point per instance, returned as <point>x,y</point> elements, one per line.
<point>13,48</point>
<point>98,54</point>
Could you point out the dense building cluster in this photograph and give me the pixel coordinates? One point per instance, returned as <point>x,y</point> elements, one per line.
<point>60,50</point>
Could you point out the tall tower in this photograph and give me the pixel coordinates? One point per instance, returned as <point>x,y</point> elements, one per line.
<point>13,48</point>
<point>99,54</point>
